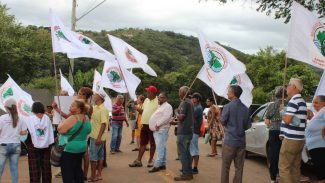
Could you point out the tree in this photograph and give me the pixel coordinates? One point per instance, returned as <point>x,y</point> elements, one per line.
<point>281,9</point>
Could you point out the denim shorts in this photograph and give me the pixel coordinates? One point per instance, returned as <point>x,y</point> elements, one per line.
<point>96,151</point>
<point>133,124</point>
<point>194,146</point>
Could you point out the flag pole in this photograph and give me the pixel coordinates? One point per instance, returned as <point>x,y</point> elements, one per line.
<point>190,87</point>
<point>56,81</point>
<point>191,84</point>
<point>214,97</point>
<point>284,78</point>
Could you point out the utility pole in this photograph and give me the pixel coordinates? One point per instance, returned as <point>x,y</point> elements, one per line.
<point>74,20</point>
<point>73,28</point>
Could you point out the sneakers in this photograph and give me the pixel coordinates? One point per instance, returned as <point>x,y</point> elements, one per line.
<point>150,164</point>
<point>154,169</point>
<point>162,167</point>
<point>113,152</point>
<point>118,151</point>
<point>136,163</point>
<point>195,171</point>
<point>183,177</point>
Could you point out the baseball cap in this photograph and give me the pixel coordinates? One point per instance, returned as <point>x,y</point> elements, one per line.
<point>196,95</point>
<point>152,89</point>
<point>10,102</point>
<point>101,93</point>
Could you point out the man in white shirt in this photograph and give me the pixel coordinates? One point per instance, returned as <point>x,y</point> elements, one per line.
<point>159,124</point>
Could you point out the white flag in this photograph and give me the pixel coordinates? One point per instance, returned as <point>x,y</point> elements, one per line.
<point>206,75</point>
<point>220,66</point>
<point>92,49</point>
<point>97,88</point>
<point>129,57</point>
<point>321,86</point>
<point>245,83</point>
<point>119,80</point>
<point>97,81</point>
<point>307,37</point>
<point>10,89</point>
<point>65,85</point>
<point>62,38</point>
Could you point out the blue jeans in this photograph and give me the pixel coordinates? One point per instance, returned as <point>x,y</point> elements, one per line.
<point>12,152</point>
<point>116,136</point>
<point>161,137</point>
<point>183,145</point>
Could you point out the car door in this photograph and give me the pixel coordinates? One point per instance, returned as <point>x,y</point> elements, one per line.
<point>254,137</point>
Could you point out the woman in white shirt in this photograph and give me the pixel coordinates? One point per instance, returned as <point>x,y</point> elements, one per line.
<point>39,141</point>
<point>11,127</point>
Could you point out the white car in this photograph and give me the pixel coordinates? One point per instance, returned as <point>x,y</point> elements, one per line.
<point>257,136</point>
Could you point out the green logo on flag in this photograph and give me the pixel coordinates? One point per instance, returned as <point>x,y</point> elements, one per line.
<point>9,92</point>
<point>216,59</point>
<point>23,108</point>
<point>114,75</point>
<point>59,33</point>
<point>235,80</point>
<point>321,40</point>
<point>85,40</point>
<point>26,108</point>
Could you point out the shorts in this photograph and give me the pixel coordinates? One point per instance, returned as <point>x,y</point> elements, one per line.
<point>194,146</point>
<point>133,124</point>
<point>146,136</point>
<point>96,151</point>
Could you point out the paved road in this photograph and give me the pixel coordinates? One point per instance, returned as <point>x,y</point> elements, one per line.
<point>118,171</point>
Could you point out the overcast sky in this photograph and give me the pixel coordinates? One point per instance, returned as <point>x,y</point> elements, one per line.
<point>234,24</point>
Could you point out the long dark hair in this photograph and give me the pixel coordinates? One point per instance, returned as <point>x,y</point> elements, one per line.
<point>14,114</point>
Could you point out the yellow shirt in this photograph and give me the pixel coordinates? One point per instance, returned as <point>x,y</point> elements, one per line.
<point>99,117</point>
<point>149,107</point>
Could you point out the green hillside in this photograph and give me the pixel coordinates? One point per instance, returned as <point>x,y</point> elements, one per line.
<point>26,54</point>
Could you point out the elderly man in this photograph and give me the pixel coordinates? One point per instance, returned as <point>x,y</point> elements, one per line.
<point>150,105</point>
<point>293,131</point>
<point>118,117</point>
<point>185,116</point>
<point>99,126</point>
<point>235,119</point>
<point>159,124</point>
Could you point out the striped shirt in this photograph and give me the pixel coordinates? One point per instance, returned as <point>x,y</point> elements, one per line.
<point>118,114</point>
<point>296,107</point>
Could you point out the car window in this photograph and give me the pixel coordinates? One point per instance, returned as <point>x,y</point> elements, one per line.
<point>259,115</point>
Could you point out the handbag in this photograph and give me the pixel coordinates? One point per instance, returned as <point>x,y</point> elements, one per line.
<point>57,150</point>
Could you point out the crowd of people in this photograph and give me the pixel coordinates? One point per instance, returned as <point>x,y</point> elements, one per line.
<point>83,134</point>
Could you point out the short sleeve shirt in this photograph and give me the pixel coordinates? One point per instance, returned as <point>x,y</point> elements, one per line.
<point>9,134</point>
<point>185,127</point>
<point>99,117</point>
<point>149,107</point>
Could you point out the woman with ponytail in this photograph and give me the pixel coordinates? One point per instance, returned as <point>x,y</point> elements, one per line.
<point>11,127</point>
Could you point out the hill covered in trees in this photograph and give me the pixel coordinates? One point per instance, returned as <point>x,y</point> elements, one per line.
<point>26,54</point>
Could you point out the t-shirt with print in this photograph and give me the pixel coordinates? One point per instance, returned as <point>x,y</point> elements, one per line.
<point>185,127</point>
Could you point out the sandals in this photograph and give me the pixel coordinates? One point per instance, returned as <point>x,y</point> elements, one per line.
<point>135,149</point>
<point>212,155</point>
<point>93,180</point>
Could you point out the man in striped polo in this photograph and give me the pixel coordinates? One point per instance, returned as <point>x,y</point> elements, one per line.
<point>293,133</point>
<point>118,117</point>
